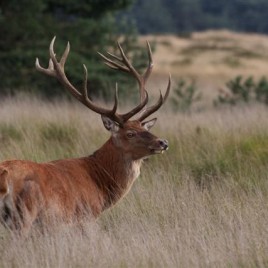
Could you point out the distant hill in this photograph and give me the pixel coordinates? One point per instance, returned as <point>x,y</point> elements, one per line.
<point>210,57</point>
<point>210,54</point>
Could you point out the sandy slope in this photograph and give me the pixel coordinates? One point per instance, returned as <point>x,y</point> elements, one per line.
<point>210,57</point>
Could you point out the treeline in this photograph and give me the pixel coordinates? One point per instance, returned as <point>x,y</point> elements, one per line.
<point>184,16</point>
<point>28,26</point>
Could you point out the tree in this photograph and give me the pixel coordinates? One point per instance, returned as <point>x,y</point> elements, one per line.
<point>182,16</point>
<point>27,27</point>
<point>151,16</point>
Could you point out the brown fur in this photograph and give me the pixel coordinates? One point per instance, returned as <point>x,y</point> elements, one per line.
<point>70,188</point>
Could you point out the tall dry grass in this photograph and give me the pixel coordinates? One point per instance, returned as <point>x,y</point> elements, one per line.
<point>202,204</point>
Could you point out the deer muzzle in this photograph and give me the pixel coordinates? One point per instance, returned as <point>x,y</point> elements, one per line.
<point>160,146</point>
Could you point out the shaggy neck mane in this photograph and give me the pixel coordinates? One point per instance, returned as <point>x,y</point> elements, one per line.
<point>114,171</point>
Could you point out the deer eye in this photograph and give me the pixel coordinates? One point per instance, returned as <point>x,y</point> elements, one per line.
<point>131,135</point>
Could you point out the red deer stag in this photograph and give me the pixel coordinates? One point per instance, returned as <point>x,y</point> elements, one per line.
<point>70,188</point>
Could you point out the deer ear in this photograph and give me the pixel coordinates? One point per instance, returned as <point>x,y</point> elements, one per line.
<point>149,124</point>
<point>110,124</point>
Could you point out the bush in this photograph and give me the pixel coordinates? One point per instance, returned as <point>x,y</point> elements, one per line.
<point>243,90</point>
<point>185,94</point>
<point>238,90</point>
<point>261,90</point>
<point>90,26</point>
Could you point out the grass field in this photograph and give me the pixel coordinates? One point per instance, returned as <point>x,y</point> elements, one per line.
<point>204,203</point>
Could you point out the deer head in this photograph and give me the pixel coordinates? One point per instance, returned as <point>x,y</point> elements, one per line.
<point>130,136</point>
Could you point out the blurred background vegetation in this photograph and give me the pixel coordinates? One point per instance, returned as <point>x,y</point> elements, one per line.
<point>184,16</point>
<point>27,26</point>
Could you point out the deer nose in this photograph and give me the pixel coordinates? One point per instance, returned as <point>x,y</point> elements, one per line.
<point>163,143</point>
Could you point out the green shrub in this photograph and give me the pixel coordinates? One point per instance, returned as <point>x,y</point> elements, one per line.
<point>261,90</point>
<point>239,90</point>
<point>185,95</point>
<point>244,90</point>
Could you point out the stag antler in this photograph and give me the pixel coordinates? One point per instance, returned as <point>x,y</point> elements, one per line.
<point>56,69</point>
<point>123,64</point>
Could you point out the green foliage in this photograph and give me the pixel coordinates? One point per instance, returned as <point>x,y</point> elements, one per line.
<point>212,183</point>
<point>254,149</point>
<point>182,16</point>
<point>244,90</point>
<point>185,95</point>
<point>58,139</point>
<point>210,154</point>
<point>261,90</point>
<point>241,88</point>
<point>53,132</point>
<point>144,14</point>
<point>9,133</point>
<point>28,27</point>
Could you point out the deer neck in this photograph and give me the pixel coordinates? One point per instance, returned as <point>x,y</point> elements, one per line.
<point>115,171</point>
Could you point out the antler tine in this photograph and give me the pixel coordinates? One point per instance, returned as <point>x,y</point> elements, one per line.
<point>122,117</point>
<point>123,64</point>
<point>128,64</point>
<point>56,69</point>
<point>112,64</point>
<point>49,71</point>
<point>150,110</point>
<point>150,65</point>
<point>115,99</point>
<point>168,88</point>
<point>90,104</point>
<point>137,109</point>
<point>85,93</point>
<point>113,56</point>
<point>64,57</point>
